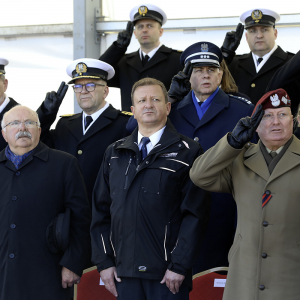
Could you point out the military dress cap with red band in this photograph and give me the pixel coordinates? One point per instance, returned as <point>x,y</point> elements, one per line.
<point>274,99</point>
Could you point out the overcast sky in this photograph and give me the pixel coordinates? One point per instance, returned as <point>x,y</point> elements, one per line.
<point>34,12</point>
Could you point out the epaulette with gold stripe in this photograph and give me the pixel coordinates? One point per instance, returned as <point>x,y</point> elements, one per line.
<point>67,115</point>
<point>127,113</point>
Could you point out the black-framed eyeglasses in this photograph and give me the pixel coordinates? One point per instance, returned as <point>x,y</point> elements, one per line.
<point>17,124</point>
<point>90,87</point>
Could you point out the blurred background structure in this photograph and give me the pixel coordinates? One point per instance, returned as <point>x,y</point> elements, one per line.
<point>40,38</point>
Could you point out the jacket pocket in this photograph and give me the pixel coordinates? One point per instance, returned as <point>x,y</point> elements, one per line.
<point>234,248</point>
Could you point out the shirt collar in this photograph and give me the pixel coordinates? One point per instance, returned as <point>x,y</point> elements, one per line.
<point>277,151</point>
<point>154,139</point>
<point>265,58</point>
<point>151,53</point>
<point>95,116</point>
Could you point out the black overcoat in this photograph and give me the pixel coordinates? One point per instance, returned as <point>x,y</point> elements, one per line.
<point>254,84</point>
<point>47,182</point>
<point>89,148</point>
<point>10,105</point>
<point>147,215</point>
<point>287,77</point>
<point>129,69</point>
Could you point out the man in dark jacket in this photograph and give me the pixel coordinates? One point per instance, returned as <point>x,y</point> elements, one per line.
<point>6,103</point>
<point>253,71</point>
<point>152,60</point>
<point>85,135</point>
<point>38,184</point>
<point>148,219</point>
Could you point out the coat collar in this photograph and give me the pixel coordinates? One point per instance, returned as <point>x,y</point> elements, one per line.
<point>41,151</point>
<point>74,123</point>
<point>246,62</point>
<point>188,111</point>
<point>170,136</point>
<point>255,161</point>
<point>134,60</point>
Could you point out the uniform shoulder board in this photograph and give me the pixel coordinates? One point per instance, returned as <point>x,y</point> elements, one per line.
<point>241,98</point>
<point>177,50</point>
<point>67,115</point>
<point>127,113</point>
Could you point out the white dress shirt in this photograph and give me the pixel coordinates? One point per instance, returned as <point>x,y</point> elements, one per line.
<point>154,139</point>
<point>265,58</point>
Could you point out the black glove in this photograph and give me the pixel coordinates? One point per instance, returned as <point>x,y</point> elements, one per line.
<point>180,84</point>
<point>245,129</point>
<point>53,100</point>
<point>124,36</point>
<point>233,39</point>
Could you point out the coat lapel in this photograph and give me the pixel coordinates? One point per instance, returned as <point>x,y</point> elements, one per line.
<point>246,62</point>
<point>277,58</point>
<point>220,102</point>
<point>254,160</point>
<point>134,60</point>
<point>103,120</point>
<point>158,57</point>
<point>187,110</point>
<point>289,160</point>
<point>74,125</point>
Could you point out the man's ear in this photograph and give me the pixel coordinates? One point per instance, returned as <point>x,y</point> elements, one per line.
<point>132,110</point>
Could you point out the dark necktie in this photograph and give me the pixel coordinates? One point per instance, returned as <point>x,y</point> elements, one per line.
<point>144,141</point>
<point>88,121</point>
<point>273,153</point>
<point>145,60</point>
<point>259,60</point>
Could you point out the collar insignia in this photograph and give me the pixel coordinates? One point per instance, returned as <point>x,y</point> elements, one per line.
<point>81,68</point>
<point>143,10</point>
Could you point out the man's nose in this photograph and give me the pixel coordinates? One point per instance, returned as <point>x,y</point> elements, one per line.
<point>84,90</point>
<point>22,127</point>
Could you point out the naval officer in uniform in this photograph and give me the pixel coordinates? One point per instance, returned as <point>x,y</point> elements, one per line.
<point>153,59</point>
<point>85,135</point>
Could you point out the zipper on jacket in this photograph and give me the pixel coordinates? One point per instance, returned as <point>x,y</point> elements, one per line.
<point>126,173</point>
<point>166,231</point>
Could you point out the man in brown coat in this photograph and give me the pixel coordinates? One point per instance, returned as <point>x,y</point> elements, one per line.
<point>264,260</point>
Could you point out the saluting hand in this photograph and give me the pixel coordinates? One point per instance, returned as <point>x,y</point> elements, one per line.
<point>180,84</point>
<point>53,99</point>
<point>124,37</point>
<point>245,129</point>
<point>233,38</point>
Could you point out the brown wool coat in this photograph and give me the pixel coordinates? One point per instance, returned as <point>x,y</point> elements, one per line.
<point>272,232</point>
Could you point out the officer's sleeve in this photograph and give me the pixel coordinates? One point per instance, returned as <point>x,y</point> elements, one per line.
<point>78,254</point>
<point>112,56</point>
<point>102,251</point>
<point>212,170</point>
<point>195,209</point>
<point>46,120</point>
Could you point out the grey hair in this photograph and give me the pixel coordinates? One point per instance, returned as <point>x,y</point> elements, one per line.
<point>34,112</point>
<point>2,76</point>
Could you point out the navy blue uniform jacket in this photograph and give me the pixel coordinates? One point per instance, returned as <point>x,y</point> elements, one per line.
<point>147,215</point>
<point>129,69</point>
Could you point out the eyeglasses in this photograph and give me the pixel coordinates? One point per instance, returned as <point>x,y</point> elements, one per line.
<point>17,124</point>
<point>90,87</point>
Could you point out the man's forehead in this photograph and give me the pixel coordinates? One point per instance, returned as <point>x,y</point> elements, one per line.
<point>259,27</point>
<point>278,110</point>
<point>17,113</point>
<point>145,21</point>
<point>88,80</point>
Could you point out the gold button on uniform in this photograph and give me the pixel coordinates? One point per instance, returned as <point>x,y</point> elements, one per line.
<point>253,85</point>
<point>79,152</point>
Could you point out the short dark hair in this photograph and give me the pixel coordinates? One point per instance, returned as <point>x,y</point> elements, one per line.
<point>149,81</point>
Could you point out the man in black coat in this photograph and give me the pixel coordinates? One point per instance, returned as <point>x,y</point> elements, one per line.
<point>6,103</point>
<point>38,184</point>
<point>253,71</point>
<point>85,135</point>
<point>148,218</point>
<point>152,60</point>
